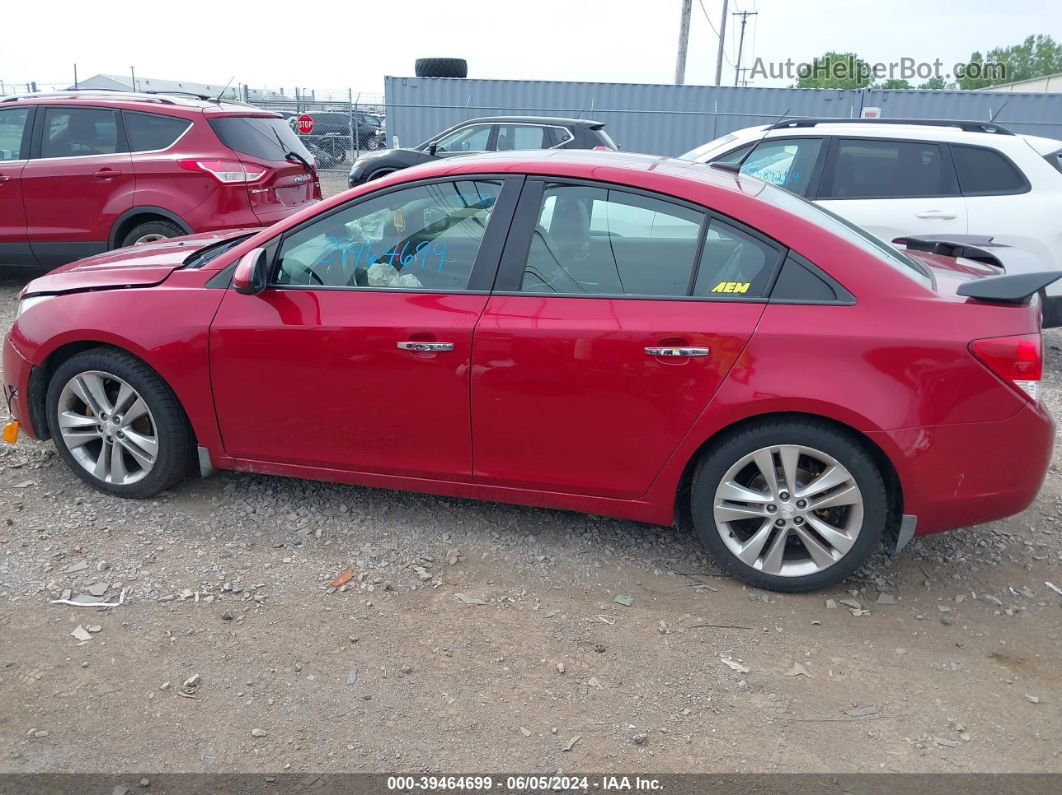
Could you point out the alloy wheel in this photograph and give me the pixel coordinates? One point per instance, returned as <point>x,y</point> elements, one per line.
<point>107,427</point>
<point>788,510</point>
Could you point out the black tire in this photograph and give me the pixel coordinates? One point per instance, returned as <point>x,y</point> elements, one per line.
<point>441,67</point>
<point>164,229</point>
<point>176,443</point>
<point>821,436</point>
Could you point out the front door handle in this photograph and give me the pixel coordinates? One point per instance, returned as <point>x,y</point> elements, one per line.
<point>107,173</point>
<point>4,178</point>
<point>673,352</point>
<point>935,215</point>
<point>426,347</point>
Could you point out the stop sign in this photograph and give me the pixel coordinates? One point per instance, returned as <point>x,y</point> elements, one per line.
<point>305,124</point>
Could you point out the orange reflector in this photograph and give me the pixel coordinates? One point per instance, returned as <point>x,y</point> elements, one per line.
<point>11,432</point>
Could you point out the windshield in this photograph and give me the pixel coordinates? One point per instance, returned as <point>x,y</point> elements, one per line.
<point>848,231</point>
<point>265,138</point>
<point>704,149</point>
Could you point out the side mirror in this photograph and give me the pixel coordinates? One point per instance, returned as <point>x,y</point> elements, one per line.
<point>250,275</point>
<point>432,149</point>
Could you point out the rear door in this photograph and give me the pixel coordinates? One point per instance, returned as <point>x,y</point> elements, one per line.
<point>14,150</point>
<point>893,187</point>
<point>615,318</point>
<point>78,181</point>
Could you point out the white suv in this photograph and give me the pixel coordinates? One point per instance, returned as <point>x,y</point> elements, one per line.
<point>911,177</point>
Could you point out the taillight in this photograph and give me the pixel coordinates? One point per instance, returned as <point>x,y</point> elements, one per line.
<point>1017,360</point>
<point>226,172</point>
<point>602,149</point>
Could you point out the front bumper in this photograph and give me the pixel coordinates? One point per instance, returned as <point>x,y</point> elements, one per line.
<point>961,475</point>
<point>17,371</point>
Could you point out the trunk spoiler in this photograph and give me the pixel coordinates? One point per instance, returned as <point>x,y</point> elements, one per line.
<point>1015,289</point>
<point>1024,274</point>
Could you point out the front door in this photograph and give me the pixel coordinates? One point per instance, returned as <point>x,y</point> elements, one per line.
<point>14,146</point>
<point>79,180</point>
<point>607,336</point>
<point>357,355</point>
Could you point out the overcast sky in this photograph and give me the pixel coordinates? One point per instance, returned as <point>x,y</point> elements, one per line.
<point>335,44</point>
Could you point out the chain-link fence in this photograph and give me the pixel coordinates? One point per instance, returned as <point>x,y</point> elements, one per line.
<point>336,126</point>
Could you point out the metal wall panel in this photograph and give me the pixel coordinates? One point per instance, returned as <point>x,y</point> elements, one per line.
<point>668,119</point>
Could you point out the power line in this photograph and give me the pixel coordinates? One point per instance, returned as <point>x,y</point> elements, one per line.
<point>712,25</point>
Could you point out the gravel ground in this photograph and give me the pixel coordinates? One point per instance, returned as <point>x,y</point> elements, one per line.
<point>479,637</point>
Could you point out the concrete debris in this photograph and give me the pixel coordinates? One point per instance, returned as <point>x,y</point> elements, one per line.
<point>734,664</point>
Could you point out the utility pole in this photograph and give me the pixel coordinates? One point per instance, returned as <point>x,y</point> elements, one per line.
<point>683,42</point>
<point>132,73</point>
<point>719,54</point>
<point>75,78</point>
<point>741,42</point>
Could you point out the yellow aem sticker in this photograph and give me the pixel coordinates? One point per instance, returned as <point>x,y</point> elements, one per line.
<point>732,287</point>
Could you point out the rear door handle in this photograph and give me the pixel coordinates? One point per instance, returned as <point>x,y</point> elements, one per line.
<point>4,178</point>
<point>935,215</point>
<point>673,352</point>
<point>107,173</point>
<point>426,347</point>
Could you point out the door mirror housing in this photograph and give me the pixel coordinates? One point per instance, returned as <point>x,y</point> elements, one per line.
<point>250,275</point>
<point>432,149</point>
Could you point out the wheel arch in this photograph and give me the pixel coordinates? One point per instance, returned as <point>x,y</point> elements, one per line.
<point>893,485</point>
<point>41,376</point>
<point>138,215</point>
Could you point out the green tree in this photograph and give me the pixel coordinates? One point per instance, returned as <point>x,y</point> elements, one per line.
<point>1036,56</point>
<point>936,84</point>
<point>835,70</point>
<point>892,83</point>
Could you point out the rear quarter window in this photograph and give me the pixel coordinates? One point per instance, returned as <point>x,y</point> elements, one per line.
<point>986,172</point>
<point>149,132</point>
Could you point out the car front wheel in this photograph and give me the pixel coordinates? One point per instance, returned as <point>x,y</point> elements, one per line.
<point>789,505</point>
<point>117,425</point>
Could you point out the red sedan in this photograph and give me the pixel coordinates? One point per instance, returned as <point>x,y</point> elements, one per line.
<point>619,334</point>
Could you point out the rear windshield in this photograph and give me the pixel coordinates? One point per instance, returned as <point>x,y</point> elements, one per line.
<point>264,138</point>
<point>607,139</point>
<point>848,231</point>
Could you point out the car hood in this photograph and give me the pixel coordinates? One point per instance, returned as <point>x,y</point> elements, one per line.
<point>135,266</point>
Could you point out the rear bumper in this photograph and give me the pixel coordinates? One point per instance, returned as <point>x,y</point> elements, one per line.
<point>961,475</point>
<point>17,371</point>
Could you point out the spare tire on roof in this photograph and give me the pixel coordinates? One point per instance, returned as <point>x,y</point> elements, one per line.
<point>441,67</point>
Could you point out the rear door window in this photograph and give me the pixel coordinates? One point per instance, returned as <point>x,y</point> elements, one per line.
<point>79,132</point>
<point>734,263</point>
<point>598,241</point>
<point>521,136</point>
<point>12,128</point>
<point>150,132</point>
<point>865,168</point>
<point>263,138</point>
<point>985,172</point>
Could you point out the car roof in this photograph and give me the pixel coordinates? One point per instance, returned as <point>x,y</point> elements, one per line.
<point>870,129</point>
<point>554,120</point>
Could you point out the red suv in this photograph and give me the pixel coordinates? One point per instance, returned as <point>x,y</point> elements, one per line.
<point>619,334</point>
<point>85,172</point>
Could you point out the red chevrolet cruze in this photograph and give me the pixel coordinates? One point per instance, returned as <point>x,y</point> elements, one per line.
<point>619,334</point>
<point>88,171</point>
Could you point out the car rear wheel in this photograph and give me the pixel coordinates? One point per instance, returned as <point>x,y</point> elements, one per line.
<point>789,505</point>
<point>117,425</point>
<point>151,232</point>
<point>373,143</point>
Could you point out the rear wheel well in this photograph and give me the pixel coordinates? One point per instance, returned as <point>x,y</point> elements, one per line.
<point>126,225</point>
<point>893,488</point>
<point>41,376</point>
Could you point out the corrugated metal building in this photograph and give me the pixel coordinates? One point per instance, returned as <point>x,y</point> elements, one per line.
<point>669,119</point>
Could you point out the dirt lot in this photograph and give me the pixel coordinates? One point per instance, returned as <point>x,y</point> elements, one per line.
<point>486,637</point>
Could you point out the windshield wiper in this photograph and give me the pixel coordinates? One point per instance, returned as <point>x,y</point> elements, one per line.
<point>292,156</point>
